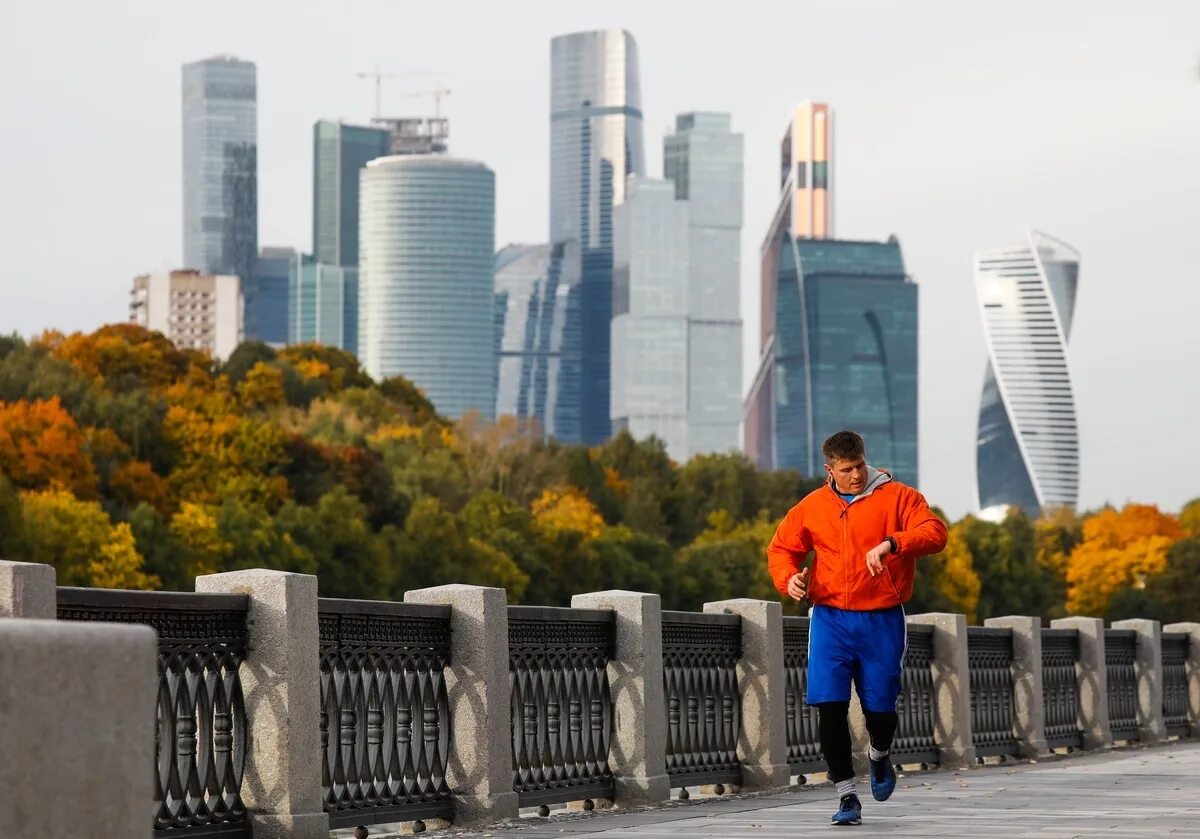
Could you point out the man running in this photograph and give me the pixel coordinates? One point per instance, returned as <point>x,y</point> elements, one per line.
<point>867,530</point>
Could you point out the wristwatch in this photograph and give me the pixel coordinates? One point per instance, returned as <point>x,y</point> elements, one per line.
<point>891,541</point>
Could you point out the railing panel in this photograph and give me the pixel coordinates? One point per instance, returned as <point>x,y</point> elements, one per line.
<point>200,739</point>
<point>1120,652</point>
<point>1060,688</point>
<point>989,661</point>
<point>700,653</point>
<point>385,718</point>
<point>914,741</point>
<point>803,735</point>
<point>562,715</point>
<point>1175,687</point>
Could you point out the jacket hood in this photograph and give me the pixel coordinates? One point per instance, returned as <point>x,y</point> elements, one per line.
<point>875,479</point>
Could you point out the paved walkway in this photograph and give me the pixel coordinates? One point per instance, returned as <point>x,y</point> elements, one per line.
<point>1128,792</point>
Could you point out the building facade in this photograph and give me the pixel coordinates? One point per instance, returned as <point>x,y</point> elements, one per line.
<point>272,277</point>
<point>537,326</point>
<point>426,294</point>
<point>650,315</point>
<point>220,172</point>
<point>704,159</point>
<point>340,151</point>
<point>195,311</point>
<point>595,143</point>
<point>1027,454</point>
<point>323,304</point>
<point>843,355</point>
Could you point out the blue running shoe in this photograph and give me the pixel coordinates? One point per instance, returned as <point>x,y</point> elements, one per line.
<point>850,811</point>
<point>883,778</point>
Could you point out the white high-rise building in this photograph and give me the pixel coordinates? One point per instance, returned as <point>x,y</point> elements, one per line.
<point>1028,447</point>
<point>677,330</point>
<point>195,311</point>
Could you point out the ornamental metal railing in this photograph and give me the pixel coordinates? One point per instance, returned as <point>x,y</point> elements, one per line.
<point>1060,688</point>
<point>385,719</point>
<point>704,709</point>
<point>200,739</point>
<point>1120,652</point>
<point>562,716</point>
<point>803,734</point>
<point>914,741</point>
<point>989,662</point>
<point>1175,685</point>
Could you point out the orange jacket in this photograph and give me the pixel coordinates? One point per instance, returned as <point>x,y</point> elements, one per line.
<point>842,534</point>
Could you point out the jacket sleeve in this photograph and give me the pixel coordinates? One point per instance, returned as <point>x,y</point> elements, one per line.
<point>923,533</point>
<point>789,546</point>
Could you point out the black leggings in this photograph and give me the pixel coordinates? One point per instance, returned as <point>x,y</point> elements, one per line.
<point>835,736</point>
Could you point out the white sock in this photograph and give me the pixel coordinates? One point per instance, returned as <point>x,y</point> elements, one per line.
<point>878,755</point>
<point>845,787</point>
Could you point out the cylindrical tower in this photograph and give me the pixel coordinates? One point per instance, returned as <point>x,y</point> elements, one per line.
<point>426,305</point>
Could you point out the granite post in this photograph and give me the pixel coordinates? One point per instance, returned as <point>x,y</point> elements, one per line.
<point>951,688</point>
<point>1193,672</point>
<point>281,786</point>
<point>1092,676</point>
<point>77,712</point>
<point>762,743</point>
<point>1148,667</point>
<point>1029,709</point>
<point>27,590</point>
<point>479,770</point>
<point>637,755</point>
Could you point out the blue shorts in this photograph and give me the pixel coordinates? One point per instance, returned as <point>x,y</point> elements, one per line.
<point>866,647</point>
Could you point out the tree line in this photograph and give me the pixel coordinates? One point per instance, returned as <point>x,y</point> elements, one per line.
<point>126,462</point>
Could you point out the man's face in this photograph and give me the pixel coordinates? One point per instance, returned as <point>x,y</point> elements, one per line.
<point>849,476</point>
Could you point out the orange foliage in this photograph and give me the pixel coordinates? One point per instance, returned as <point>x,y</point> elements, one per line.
<point>41,446</point>
<point>119,351</point>
<point>1119,550</point>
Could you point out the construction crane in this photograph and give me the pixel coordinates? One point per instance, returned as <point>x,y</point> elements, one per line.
<point>378,76</point>
<point>438,93</point>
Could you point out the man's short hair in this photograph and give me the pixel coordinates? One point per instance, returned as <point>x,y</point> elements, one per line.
<point>845,445</point>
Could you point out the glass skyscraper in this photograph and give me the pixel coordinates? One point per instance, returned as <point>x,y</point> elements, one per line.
<point>537,326</point>
<point>839,327</point>
<point>1028,447</point>
<point>595,142</point>
<point>340,151</point>
<point>220,173</point>
<point>427,305</point>
<point>323,304</point>
<point>272,276</point>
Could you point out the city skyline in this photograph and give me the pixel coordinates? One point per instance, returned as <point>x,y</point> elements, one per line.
<point>910,142</point>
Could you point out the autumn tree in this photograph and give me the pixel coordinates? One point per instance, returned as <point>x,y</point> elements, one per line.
<point>1120,550</point>
<point>42,446</point>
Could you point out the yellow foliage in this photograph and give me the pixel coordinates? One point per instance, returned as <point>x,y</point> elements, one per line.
<point>196,529</point>
<point>119,564</point>
<point>1189,518</point>
<point>262,387</point>
<point>567,510</point>
<point>956,579</point>
<point>615,483</point>
<point>1119,550</point>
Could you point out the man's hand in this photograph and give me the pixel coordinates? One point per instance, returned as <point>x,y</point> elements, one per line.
<point>797,587</point>
<point>875,557</point>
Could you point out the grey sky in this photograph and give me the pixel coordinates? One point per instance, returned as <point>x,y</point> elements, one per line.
<point>959,125</point>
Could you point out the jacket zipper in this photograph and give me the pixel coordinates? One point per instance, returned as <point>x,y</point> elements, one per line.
<point>845,563</point>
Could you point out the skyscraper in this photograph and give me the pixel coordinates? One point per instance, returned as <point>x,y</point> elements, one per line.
<point>704,160</point>
<point>537,302</point>
<point>1028,448</point>
<point>340,151</point>
<point>272,273</point>
<point>839,326</point>
<point>426,296</point>
<point>323,303</point>
<point>220,172</point>
<point>595,142</point>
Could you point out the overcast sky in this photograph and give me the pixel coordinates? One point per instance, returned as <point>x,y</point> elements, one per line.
<point>959,126</point>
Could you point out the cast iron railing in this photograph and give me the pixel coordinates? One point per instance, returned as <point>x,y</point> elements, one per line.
<point>914,741</point>
<point>385,719</point>
<point>803,736</point>
<point>1175,686</point>
<point>1120,652</point>
<point>989,662</point>
<point>704,708</point>
<point>200,739</point>
<point>1060,688</point>
<point>561,703</point>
